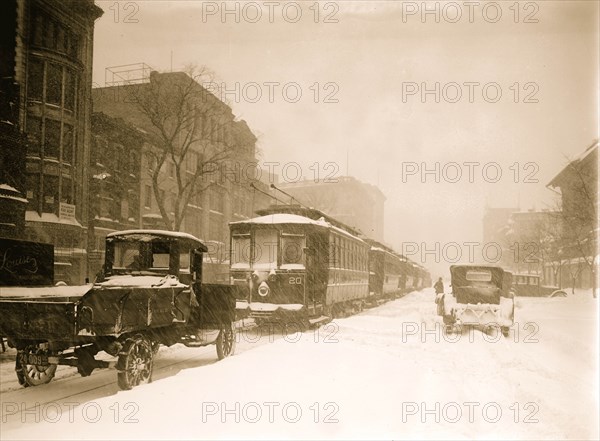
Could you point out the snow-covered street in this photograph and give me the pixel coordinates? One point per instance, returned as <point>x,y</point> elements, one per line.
<point>388,372</point>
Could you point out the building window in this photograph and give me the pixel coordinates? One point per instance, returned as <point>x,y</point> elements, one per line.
<point>215,230</point>
<point>67,144</point>
<point>34,136</point>
<point>216,199</point>
<point>51,124</point>
<point>148,196</point>
<point>133,162</point>
<point>35,80</point>
<point>66,194</point>
<point>133,206</point>
<point>54,84</point>
<point>47,33</point>
<point>150,161</point>
<point>172,202</point>
<point>50,194</point>
<point>52,139</point>
<point>70,90</point>
<point>33,191</point>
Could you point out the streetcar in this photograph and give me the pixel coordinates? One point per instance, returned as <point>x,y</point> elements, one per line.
<point>299,265</point>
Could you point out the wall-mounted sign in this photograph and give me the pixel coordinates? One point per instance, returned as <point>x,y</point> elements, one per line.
<point>66,211</point>
<point>24,263</point>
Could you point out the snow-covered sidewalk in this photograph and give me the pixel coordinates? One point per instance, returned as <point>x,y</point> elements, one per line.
<point>388,372</point>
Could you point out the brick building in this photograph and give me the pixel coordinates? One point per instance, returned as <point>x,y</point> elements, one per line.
<point>577,183</point>
<point>46,59</point>
<point>114,181</point>
<point>223,192</point>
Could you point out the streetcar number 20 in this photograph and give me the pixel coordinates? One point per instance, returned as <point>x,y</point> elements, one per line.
<point>295,280</point>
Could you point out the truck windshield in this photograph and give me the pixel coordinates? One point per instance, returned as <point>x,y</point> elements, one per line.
<point>127,256</point>
<point>142,256</point>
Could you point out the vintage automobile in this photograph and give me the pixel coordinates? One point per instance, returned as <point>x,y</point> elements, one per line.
<point>528,285</point>
<point>481,295</point>
<point>149,293</point>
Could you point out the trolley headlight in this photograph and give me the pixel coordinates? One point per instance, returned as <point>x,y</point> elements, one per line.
<point>263,289</point>
<point>272,276</point>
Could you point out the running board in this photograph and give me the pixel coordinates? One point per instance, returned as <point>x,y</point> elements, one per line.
<point>319,320</point>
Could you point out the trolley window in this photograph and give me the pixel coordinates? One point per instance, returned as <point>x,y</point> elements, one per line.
<point>241,251</point>
<point>292,250</point>
<point>265,248</point>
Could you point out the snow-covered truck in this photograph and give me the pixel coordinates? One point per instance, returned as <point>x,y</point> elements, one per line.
<point>150,292</point>
<point>480,295</point>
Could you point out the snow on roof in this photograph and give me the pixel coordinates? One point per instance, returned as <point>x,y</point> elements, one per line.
<point>281,218</point>
<point>577,159</point>
<point>284,218</point>
<point>14,198</point>
<point>142,281</point>
<point>176,234</point>
<point>8,188</point>
<point>32,216</point>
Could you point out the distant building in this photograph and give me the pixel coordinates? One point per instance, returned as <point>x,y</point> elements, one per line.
<point>495,224</point>
<point>578,253</point>
<point>46,63</point>
<point>347,199</point>
<point>530,240</point>
<point>495,229</point>
<point>223,193</point>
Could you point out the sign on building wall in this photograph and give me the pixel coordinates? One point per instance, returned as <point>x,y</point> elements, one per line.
<point>24,263</point>
<point>66,211</point>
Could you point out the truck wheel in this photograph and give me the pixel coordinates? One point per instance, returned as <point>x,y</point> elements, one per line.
<point>448,319</point>
<point>30,374</point>
<point>135,363</point>
<point>226,342</point>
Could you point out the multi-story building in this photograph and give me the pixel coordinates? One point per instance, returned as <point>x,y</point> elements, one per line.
<point>46,56</point>
<point>530,240</point>
<point>114,182</point>
<point>578,252</point>
<point>223,193</point>
<point>345,198</point>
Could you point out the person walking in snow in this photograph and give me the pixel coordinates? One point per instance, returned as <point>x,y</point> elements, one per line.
<point>439,286</point>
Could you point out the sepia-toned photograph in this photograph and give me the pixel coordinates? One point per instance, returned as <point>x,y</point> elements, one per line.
<point>299,220</point>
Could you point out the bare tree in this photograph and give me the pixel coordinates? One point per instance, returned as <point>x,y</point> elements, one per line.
<point>193,134</point>
<point>579,219</point>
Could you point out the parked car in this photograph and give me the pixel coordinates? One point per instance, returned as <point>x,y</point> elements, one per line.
<point>529,285</point>
<point>481,295</point>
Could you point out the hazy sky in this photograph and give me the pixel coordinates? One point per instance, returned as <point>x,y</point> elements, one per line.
<point>369,57</point>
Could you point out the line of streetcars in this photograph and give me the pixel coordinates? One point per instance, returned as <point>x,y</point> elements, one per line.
<point>293,263</point>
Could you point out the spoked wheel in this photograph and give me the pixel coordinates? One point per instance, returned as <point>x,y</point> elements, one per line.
<point>226,342</point>
<point>31,369</point>
<point>135,362</point>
